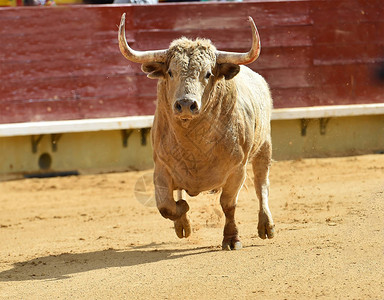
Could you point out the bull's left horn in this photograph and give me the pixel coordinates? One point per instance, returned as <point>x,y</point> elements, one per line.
<point>242,58</point>
<point>138,56</point>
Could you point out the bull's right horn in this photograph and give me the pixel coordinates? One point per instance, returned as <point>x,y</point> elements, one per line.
<point>138,56</point>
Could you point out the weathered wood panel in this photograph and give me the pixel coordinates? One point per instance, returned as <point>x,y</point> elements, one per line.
<point>64,63</point>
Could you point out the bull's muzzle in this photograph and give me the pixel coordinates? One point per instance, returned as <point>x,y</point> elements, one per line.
<point>186,108</point>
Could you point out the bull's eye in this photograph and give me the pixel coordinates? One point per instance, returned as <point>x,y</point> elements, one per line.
<point>170,73</point>
<point>208,75</point>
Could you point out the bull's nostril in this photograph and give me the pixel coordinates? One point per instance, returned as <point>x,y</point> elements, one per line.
<point>185,106</point>
<point>178,107</point>
<point>193,107</point>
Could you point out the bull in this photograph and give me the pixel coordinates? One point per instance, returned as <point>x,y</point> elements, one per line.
<point>212,117</point>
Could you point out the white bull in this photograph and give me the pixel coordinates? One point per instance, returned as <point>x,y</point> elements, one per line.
<point>212,117</point>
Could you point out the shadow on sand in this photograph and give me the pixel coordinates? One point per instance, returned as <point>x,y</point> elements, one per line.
<point>55,267</point>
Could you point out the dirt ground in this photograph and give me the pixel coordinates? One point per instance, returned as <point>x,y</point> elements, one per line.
<point>93,237</point>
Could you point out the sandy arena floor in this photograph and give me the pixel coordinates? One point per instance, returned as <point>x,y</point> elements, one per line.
<point>89,237</point>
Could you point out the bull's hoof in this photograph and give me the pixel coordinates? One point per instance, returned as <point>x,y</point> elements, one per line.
<point>182,227</point>
<point>266,228</point>
<point>232,243</point>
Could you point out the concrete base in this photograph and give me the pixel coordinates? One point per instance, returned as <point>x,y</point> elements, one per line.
<point>328,137</point>
<point>104,151</point>
<point>84,152</point>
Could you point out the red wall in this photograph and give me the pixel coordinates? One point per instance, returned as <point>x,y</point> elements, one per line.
<point>61,63</point>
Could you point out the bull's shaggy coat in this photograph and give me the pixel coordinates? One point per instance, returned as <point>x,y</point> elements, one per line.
<point>207,144</point>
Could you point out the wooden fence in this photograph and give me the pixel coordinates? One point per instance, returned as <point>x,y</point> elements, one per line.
<point>61,63</point>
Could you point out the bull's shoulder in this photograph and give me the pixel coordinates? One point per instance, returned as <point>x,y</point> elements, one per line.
<point>253,92</point>
<point>254,108</point>
<point>251,79</point>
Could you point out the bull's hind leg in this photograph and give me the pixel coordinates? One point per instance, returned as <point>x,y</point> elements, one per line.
<point>228,201</point>
<point>168,208</point>
<point>261,164</point>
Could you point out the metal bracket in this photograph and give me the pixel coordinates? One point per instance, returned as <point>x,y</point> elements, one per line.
<point>54,141</point>
<point>323,125</point>
<point>144,132</point>
<point>125,133</point>
<point>35,142</point>
<point>304,125</point>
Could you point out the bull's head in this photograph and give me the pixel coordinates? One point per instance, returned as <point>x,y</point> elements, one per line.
<point>189,69</point>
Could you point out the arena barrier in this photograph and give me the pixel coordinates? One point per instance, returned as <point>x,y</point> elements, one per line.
<point>71,103</point>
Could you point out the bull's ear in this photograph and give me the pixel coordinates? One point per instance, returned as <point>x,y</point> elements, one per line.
<point>228,70</point>
<point>154,70</point>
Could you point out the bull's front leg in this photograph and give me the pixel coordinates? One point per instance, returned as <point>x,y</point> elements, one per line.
<point>228,201</point>
<point>167,206</point>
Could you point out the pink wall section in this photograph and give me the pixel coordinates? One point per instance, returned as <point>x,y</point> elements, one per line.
<point>59,63</point>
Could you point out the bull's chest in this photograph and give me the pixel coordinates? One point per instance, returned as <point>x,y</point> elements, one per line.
<point>201,162</point>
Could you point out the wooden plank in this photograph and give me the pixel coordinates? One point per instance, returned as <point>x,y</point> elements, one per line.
<point>20,111</point>
<point>293,36</point>
<point>286,78</point>
<point>118,107</point>
<point>85,18</point>
<point>353,75</point>
<point>294,97</point>
<point>326,95</point>
<point>15,112</point>
<point>348,54</point>
<point>347,11</point>
<point>221,15</point>
<point>349,33</point>
<point>283,57</point>
<point>72,67</point>
<point>27,49</point>
<point>69,87</point>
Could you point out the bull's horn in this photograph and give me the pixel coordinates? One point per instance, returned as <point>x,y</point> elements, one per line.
<point>242,58</point>
<point>138,56</point>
